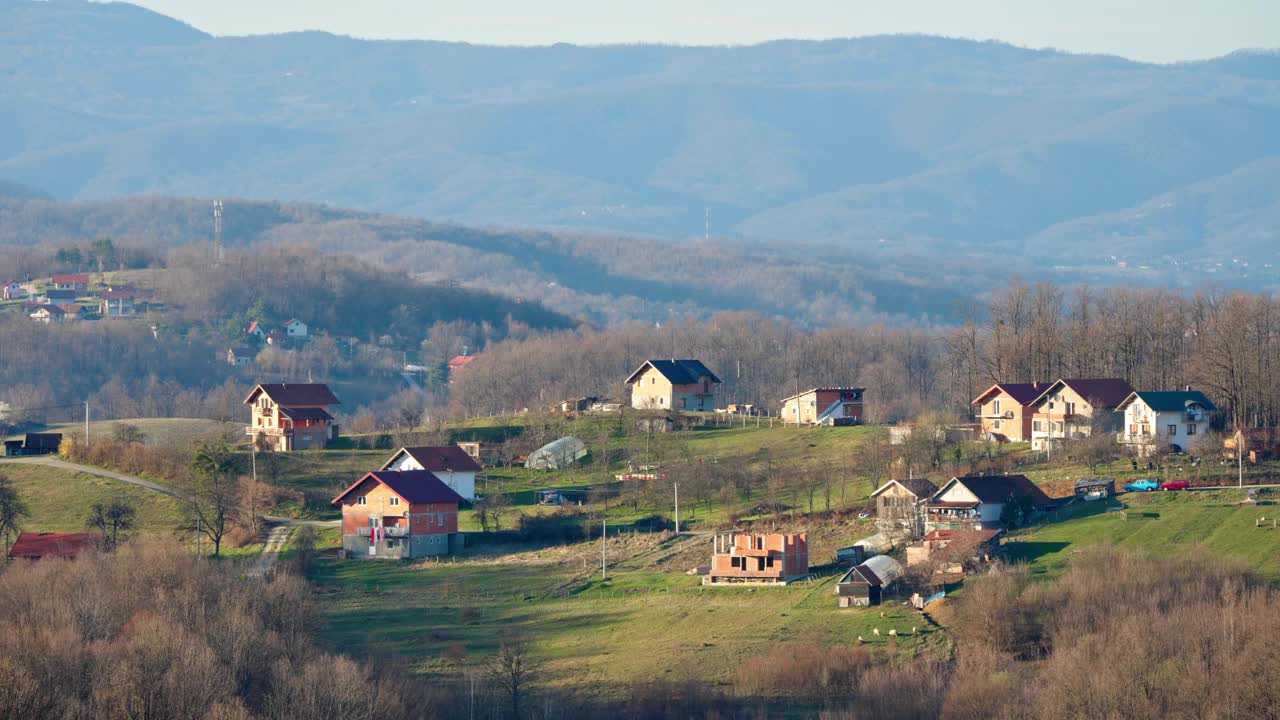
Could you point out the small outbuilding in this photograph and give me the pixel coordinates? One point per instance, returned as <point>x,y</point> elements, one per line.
<point>1095,488</point>
<point>35,444</point>
<point>866,584</point>
<point>37,545</point>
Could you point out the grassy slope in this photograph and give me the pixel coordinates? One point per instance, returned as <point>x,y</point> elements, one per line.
<point>1162,524</point>
<point>60,500</point>
<point>158,430</point>
<point>637,625</point>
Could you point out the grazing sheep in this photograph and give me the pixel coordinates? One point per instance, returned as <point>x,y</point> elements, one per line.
<point>860,639</point>
<point>881,613</point>
<point>913,629</point>
<point>876,631</point>
<point>893,633</point>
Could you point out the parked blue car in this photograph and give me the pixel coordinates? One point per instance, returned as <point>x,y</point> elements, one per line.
<point>1142,486</point>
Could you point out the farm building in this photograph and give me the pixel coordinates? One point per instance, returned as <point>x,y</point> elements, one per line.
<point>756,558</point>
<point>450,463</point>
<point>952,549</point>
<point>35,444</point>
<point>37,545</point>
<point>866,584</point>
<point>1255,444</point>
<point>409,514</point>
<point>558,455</point>
<point>1095,488</point>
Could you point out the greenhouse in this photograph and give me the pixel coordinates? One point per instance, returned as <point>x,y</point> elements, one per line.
<point>558,455</point>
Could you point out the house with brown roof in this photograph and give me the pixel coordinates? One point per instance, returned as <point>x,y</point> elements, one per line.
<point>900,506</point>
<point>78,282</point>
<point>1073,408</point>
<point>39,545</point>
<point>976,502</point>
<point>673,385</point>
<point>405,514</point>
<point>824,406</point>
<point>1004,410</point>
<point>292,416</point>
<point>116,301</point>
<point>48,314</point>
<point>772,559</point>
<point>450,463</point>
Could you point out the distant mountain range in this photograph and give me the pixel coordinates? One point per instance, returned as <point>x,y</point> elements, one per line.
<point>886,146</point>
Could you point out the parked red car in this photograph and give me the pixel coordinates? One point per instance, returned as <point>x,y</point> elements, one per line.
<point>1175,485</point>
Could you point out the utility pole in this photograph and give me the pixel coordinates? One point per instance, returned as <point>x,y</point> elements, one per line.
<point>86,424</point>
<point>217,232</point>
<point>677,490</point>
<point>1239,458</point>
<point>604,535</point>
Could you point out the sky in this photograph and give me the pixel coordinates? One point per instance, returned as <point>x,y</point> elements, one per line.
<point>1150,30</point>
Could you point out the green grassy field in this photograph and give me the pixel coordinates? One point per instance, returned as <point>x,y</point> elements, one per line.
<point>637,625</point>
<point>60,500</point>
<point>1161,523</point>
<point>159,431</point>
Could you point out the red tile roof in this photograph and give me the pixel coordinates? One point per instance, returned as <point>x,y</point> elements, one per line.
<point>74,279</point>
<point>415,486</point>
<point>460,361</point>
<point>36,545</point>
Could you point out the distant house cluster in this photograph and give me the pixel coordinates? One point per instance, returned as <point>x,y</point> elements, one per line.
<point>71,297</point>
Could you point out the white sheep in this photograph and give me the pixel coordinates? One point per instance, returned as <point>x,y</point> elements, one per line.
<point>881,613</point>
<point>860,640</point>
<point>876,631</point>
<point>913,629</point>
<point>893,633</point>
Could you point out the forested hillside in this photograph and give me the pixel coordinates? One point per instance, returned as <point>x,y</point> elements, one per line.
<point>897,145</point>
<point>602,278</point>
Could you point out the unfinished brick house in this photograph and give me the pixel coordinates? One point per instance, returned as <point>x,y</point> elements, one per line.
<point>758,558</point>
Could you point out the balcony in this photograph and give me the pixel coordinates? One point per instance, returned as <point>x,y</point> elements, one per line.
<point>269,431</point>
<point>397,532</point>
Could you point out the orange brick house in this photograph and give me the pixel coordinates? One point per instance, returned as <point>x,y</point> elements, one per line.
<point>757,558</point>
<point>292,416</point>
<point>399,514</point>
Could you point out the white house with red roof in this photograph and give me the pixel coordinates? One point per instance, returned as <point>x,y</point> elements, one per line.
<point>450,463</point>
<point>399,514</point>
<point>295,328</point>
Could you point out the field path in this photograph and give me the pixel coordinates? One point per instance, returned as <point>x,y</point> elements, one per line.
<point>276,539</point>
<point>90,470</point>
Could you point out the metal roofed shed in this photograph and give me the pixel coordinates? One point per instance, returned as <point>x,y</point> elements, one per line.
<point>558,455</point>
<point>865,584</point>
<point>1095,488</point>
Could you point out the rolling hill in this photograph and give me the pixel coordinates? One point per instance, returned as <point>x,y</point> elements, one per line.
<point>906,145</point>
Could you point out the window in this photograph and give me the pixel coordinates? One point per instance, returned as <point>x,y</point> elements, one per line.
<point>1071,408</point>
<point>1173,430</point>
<point>996,424</point>
<point>684,403</point>
<point>1035,426</point>
<point>1050,404</point>
<point>395,500</point>
<point>391,543</point>
<point>995,407</point>
<point>1191,428</point>
<point>361,500</point>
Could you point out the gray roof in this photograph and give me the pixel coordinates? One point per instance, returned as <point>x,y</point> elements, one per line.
<point>1172,401</point>
<point>879,570</point>
<point>678,372</point>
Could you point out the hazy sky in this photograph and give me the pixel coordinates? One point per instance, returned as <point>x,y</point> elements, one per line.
<point>1156,30</point>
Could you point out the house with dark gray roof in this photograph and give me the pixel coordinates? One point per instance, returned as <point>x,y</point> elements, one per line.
<point>673,385</point>
<point>1172,420</point>
<point>976,502</point>
<point>1076,408</point>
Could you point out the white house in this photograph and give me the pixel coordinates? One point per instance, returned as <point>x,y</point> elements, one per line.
<point>450,463</point>
<point>13,290</point>
<point>1165,419</point>
<point>295,328</point>
<point>976,502</point>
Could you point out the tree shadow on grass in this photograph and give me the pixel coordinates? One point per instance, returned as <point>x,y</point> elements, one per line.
<point>1030,551</point>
